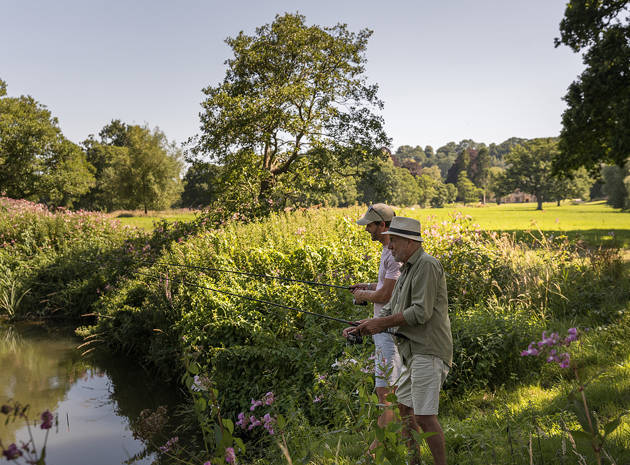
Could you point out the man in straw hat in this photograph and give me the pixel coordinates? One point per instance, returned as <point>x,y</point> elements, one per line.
<point>418,311</point>
<point>377,220</point>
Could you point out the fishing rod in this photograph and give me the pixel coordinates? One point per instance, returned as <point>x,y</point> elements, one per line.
<point>244,273</point>
<point>183,281</point>
<point>352,338</point>
<point>257,275</point>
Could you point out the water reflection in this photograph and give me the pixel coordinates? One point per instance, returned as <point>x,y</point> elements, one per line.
<point>94,399</point>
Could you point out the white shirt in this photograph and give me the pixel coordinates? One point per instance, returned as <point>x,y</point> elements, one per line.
<point>389,268</point>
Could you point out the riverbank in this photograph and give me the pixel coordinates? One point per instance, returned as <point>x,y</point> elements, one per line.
<point>155,303</point>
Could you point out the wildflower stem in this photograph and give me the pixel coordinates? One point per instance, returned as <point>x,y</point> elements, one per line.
<point>588,416</point>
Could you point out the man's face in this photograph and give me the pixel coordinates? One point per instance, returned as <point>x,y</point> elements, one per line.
<point>375,229</point>
<point>399,245</point>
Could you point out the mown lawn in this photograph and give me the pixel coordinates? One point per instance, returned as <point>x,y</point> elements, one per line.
<point>595,222</point>
<point>138,219</point>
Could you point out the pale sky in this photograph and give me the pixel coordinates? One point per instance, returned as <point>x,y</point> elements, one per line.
<point>447,69</point>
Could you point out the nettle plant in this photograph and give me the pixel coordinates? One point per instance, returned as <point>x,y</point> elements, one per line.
<point>557,350</point>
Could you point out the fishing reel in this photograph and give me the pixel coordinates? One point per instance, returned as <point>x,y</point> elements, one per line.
<point>354,339</point>
<point>361,303</point>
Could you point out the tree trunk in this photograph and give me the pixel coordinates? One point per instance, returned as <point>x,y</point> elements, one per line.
<point>540,202</point>
<point>559,202</point>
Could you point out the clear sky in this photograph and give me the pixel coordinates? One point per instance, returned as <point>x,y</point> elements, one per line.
<point>447,69</point>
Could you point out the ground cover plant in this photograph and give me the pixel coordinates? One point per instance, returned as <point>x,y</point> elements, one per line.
<point>165,302</point>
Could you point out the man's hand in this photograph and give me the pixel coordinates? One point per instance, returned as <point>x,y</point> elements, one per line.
<point>371,326</point>
<point>360,286</point>
<point>352,329</point>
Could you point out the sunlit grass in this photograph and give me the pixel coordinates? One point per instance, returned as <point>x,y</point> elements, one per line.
<point>594,222</point>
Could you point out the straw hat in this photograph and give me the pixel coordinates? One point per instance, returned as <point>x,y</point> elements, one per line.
<point>405,227</point>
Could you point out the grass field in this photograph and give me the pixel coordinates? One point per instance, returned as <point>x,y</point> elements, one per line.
<point>138,219</point>
<point>595,222</point>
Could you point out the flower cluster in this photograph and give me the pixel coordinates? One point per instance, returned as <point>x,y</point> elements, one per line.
<point>28,449</point>
<point>47,419</point>
<point>201,383</point>
<point>169,444</point>
<point>267,421</point>
<point>552,344</point>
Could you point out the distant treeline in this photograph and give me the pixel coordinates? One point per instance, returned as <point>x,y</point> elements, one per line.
<point>131,167</point>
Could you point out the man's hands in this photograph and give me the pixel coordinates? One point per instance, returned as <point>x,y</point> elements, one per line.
<point>359,286</point>
<point>367,327</point>
<point>357,292</point>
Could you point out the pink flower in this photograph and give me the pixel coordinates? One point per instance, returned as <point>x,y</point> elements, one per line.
<point>531,350</point>
<point>242,420</point>
<point>47,419</point>
<point>207,463</point>
<point>255,403</point>
<point>318,399</point>
<point>12,452</point>
<point>230,455</point>
<point>269,398</point>
<point>253,422</point>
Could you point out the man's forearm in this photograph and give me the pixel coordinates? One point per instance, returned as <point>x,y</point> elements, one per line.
<point>390,321</point>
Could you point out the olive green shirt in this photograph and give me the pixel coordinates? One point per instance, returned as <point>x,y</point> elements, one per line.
<point>420,295</point>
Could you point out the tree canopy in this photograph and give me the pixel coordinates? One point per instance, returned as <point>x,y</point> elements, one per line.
<point>596,122</point>
<point>135,167</point>
<point>294,98</point>
<point>529,169</point>
<point>36,161</point>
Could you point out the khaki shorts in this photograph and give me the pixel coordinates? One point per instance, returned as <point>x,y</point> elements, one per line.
<point>420,383</point>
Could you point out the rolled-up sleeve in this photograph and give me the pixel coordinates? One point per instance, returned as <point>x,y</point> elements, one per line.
<point>423,294</point>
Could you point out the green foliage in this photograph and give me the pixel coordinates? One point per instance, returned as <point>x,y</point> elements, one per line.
<point>36,161</point>
<point>294,98</point>
<point>501,293</point>
<point>56,263</point>
<point>598,114</point>
<point>529,169</point>
<point>135,167</point>
<point>614,186</point>
<point>466,190</point>
<point>201,185</point>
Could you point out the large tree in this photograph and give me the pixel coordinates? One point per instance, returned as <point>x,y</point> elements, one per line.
<point>294,97</point>
<point>36,161</point>
<point>596,122</point>
<point>529,169</point>
<point>201,185</point>
<point>136,167</point>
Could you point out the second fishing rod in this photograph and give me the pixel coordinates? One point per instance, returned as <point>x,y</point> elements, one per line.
<point>354,338</point>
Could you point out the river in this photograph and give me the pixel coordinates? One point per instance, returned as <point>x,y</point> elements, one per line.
<point>97,399</point>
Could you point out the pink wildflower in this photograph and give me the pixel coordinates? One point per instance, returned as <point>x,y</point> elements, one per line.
<point>230,455</point>
<point>12,452</point>
<point>255,403</point>
<point>318,399</point>
<point>47,419</point>
<point>242,420</point>
<point>254,422</point>
<point>531,350</point>
<point>269,398</point>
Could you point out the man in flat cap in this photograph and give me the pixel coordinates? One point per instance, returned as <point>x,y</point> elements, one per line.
<point>387,365</point>
<point>418,312</point>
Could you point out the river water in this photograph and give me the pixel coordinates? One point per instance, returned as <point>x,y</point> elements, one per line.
<point>97,399</point>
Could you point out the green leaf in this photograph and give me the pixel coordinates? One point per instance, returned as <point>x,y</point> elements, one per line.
<point>229,425</point>
<point>582,436</point>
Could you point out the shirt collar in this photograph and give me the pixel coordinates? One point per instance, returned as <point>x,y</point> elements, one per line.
<point>414,258</point>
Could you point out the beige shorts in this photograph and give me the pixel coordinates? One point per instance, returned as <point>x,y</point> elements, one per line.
<point>420,383</point>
